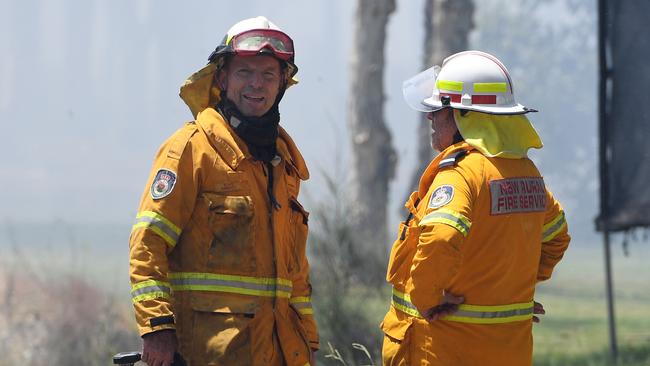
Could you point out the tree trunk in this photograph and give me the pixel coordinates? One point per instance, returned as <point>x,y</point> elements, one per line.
<point>374,158</point>
<point>447,24</point>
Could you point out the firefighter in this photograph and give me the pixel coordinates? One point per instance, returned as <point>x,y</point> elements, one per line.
<point>217,252</point>
<point>482,230</point>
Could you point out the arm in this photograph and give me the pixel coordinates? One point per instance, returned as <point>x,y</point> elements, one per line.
<point>443,230</point>
<point>555,238</point>
<point>165,208</point>
<point>301,293</point>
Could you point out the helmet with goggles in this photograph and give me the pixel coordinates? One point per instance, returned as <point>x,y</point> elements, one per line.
<point>470,80</point>
<point>255,36</point>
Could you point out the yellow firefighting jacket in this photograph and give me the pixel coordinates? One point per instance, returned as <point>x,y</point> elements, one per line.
<point>212,257</point>
<point>482,227</point>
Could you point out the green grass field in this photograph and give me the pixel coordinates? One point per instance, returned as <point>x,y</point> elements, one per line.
<point>575,331</point>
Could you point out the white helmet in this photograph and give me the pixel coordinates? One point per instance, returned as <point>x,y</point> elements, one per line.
<point>470,80</point>
<point>253,36</point>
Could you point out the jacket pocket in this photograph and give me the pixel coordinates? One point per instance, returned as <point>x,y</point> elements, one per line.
<point>397,339</point>
<point>299,228</point>
<point>295,346</point>
<point>401,255</point>
<point>230,218</point>
<point>221,333</point>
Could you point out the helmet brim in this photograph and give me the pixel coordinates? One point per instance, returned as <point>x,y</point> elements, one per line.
<point>434,104</point>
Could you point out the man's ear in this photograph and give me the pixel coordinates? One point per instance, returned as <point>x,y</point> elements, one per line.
<point>221,79</point>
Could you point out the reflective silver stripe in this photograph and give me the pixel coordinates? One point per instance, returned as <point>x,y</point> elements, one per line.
<point>493,314</point>
<point>214,282</point>
<point>401,301</point>
<point>302,304</point>
<point>233,284</point>
<point>143,221</point>
<point>150,289</point>
<point>475,314</point>
<point>553,230</point>
<point>450,219</point>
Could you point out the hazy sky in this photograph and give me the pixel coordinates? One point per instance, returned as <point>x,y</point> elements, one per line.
<point>89,90</point>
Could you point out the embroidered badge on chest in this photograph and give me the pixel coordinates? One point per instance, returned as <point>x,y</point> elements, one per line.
<point>441,196</point>
<point>163,184</point>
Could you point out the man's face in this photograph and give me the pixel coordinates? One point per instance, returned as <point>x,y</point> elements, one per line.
<point>444,128</point>
<point>252,83</point>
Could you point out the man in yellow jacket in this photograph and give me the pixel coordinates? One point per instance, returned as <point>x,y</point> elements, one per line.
<point>217,252</point>
<point>483,229</point>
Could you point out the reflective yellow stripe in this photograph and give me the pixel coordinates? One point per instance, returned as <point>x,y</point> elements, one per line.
<point>162,218</point>
<point>159,225</point>
<point>402,302</point>
<point>492,314</point>
<point>517,306</point>
<point>490,87</point>
<point>550,230</point>
<point>472,320</point>
<point>300,299</point>
<point>302,304</point>
<point>243,285</point>
<point>450,85</point>
<point>150,289</point>
<point>449,217</point>
<point>475,314</point>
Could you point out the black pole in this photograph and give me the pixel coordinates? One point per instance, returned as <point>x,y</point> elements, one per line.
<point>611,319</point>
<point>604,187</point>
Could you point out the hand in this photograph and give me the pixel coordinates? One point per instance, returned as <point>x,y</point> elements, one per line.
<point>448,306</point>
<point>538,308</point>
<point>158,348</point>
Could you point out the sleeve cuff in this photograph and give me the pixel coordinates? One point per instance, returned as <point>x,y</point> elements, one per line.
<point>148,329</point>
<point>314,345</point>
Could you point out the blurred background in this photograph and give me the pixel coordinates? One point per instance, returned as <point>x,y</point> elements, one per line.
<point>89,90</point>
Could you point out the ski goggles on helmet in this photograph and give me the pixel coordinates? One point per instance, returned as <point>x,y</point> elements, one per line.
<point>253,41</point>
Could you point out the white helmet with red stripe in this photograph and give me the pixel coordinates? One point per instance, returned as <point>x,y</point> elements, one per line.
<point>470,80</point>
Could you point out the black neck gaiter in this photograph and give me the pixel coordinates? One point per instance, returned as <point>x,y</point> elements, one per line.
<point>259,133</point>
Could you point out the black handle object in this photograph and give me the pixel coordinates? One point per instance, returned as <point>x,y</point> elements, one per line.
<point>129,358</point>
<point>126,358</point>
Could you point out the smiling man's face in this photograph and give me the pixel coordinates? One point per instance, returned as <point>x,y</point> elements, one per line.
<point>252,83</point>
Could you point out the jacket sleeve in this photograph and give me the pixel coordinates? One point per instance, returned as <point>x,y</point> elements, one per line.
<point>165,208</point>
<point>445,224</point>
<point>555,238</point>
<point>301,293</point>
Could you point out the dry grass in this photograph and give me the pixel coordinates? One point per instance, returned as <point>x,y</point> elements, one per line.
<point>62,322</point>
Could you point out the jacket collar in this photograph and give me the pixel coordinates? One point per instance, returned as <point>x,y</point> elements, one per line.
<point>430,172</point>
<point>234,150</point>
